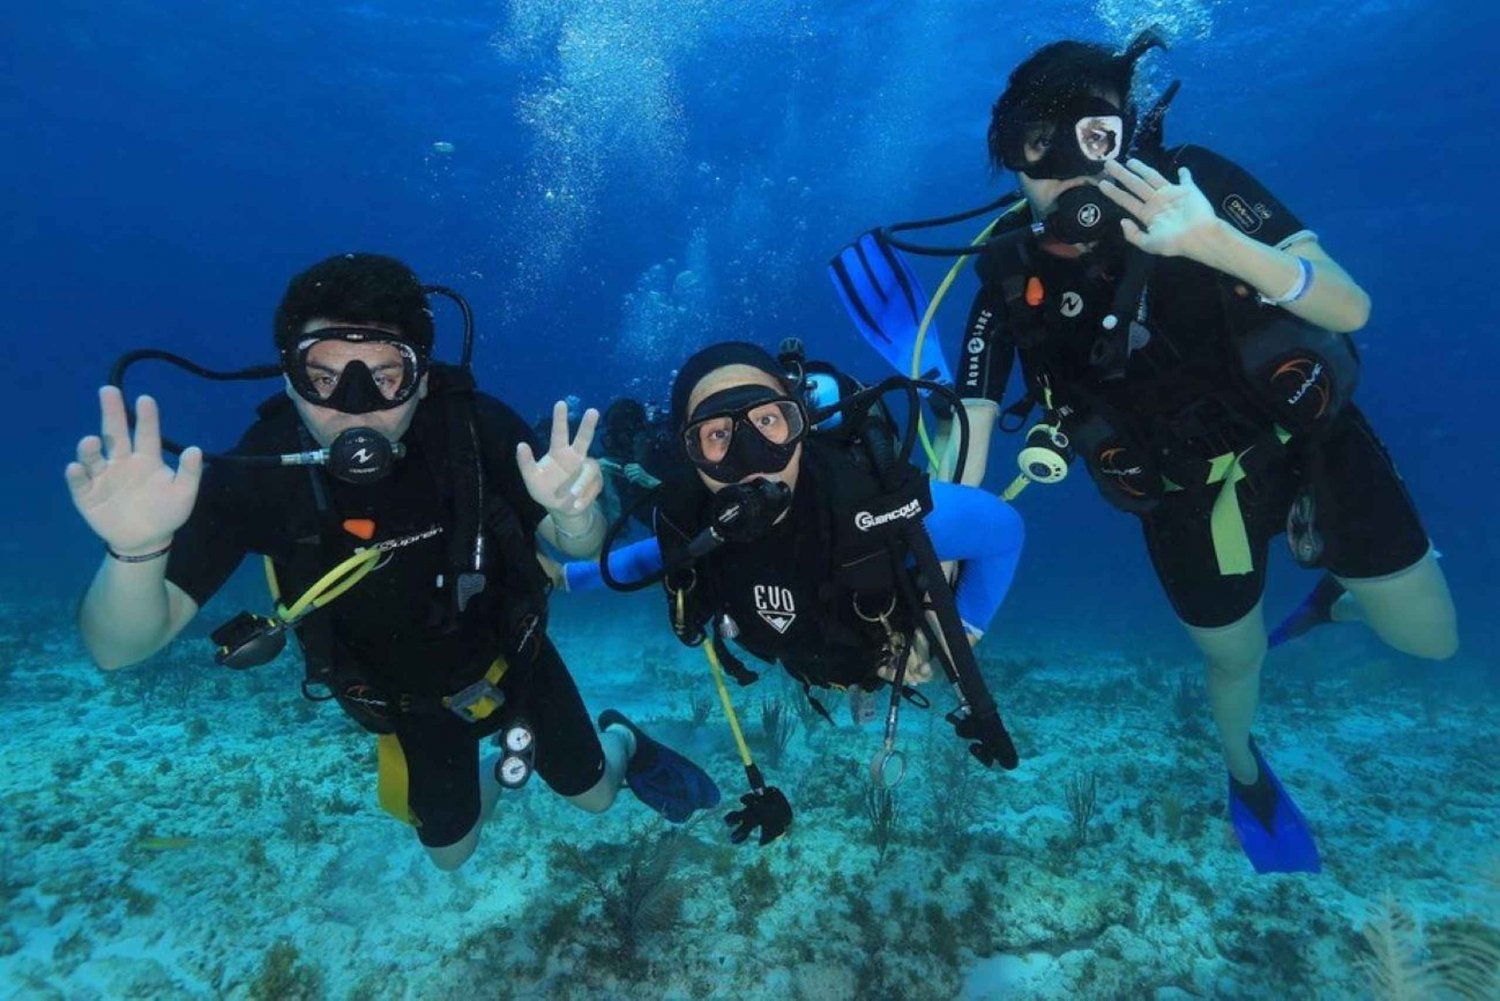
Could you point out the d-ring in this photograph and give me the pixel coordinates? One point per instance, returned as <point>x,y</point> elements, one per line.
<point>875,618</point>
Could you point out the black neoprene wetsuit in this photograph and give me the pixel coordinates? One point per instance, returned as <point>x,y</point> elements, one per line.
<point>395,630</point>
<point>1180,392</point>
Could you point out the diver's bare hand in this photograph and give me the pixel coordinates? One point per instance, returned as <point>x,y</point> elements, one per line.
<point>131,498</point>
<point>565,480</point>
<point>1176,220</point>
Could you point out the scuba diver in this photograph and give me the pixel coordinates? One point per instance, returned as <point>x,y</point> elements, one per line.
<point>635,452</point>
<point>1186,336</point>
<point>802,533</point>
<point>404,506</point>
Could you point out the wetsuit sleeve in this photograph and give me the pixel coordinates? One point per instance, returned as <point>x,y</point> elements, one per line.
<point>987,351</point>
<point>1240,199</point>
<point>628,563</point>
<point>504,430</point>
<point>208,548</point>
<point>984,534</point>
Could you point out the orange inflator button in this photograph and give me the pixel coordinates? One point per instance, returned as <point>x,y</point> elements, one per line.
<point>1034,291</point>
<point>360,528</point>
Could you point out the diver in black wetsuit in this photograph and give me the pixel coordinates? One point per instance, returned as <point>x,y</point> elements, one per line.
<point>410,536</point>
<point>1195,357</point>
<point>796,543</point>
<point>635,453</point>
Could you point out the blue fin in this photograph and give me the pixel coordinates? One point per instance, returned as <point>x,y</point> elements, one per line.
<point>1282,845</point>
<point>886,302</point>
<point>661,778</point>
<point>1316,609</point>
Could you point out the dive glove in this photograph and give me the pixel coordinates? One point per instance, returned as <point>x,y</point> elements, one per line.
<point>764,807</point>
<point>992,744</point>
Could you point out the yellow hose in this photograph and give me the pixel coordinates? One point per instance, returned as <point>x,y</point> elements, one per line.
<point>932,307</point>
<point>734,721</point>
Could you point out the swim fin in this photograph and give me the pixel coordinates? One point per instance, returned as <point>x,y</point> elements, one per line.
<point>885,300</point>
<point>1271,829</point>
<point>660,777</point>
<point>1316,609</point>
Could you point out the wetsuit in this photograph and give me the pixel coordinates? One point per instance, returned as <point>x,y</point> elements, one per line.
<point>648,446</point>
<point>777,590</point>
<point>1182,399</point>
<point>397,631</point>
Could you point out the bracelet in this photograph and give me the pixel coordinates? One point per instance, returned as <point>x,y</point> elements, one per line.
<point>1299,287</point>
<point>143,558</point>
<point>563,533</point>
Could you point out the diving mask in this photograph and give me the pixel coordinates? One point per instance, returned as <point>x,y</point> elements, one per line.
<point>356,387</point>
<point>744,431</point>
<point>1078,140</point>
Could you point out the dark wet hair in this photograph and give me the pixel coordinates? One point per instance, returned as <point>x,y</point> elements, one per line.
<point>1056,74</point>
<point>625,411</point>
<point>356,288</point>
<point>624,421</point>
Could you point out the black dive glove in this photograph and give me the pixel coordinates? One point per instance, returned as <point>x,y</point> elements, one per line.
<point>764,807</point>
<point>992,744</point>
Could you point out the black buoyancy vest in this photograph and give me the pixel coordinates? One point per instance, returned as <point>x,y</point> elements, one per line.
<point>515,588</point>
<point>1222,389</point>
<point>836,562</point>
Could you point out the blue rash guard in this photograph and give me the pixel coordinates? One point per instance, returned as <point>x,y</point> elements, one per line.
<point>968,525</point>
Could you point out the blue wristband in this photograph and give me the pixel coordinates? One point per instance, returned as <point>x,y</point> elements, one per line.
<point>1299,288</point>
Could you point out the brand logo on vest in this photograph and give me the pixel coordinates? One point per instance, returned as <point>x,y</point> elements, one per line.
<point>1110,466</point>
<point>864,520</point>
<point>1072,304</point>
<point>1303,376</point>
<point>407,540</point>
<point>974,348</point>
<point>775,605</point>
<point>1247,217</point>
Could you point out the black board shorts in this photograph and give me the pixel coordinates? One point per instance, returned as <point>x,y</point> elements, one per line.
<point>1369,525</point>
<point>442,750</point>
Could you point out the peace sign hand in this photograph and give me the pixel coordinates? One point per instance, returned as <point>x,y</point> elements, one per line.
<point>565,481</point>
<point>131,498</point>
<point>1176,220</point>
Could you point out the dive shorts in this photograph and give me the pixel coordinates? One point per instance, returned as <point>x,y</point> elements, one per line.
<point>442,751</point>
<point>1368,522</point>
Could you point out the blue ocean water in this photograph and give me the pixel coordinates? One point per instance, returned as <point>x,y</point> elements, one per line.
<point>613,183</point>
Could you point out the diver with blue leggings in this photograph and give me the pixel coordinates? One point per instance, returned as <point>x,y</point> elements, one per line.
<point>802,533</point>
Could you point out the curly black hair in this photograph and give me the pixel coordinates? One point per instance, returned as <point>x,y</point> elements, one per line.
<point>356,288</point>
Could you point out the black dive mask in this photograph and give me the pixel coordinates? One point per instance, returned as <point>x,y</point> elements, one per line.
<point>744,431</point>
<point>356,389</point>
<point>1083,135</point>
